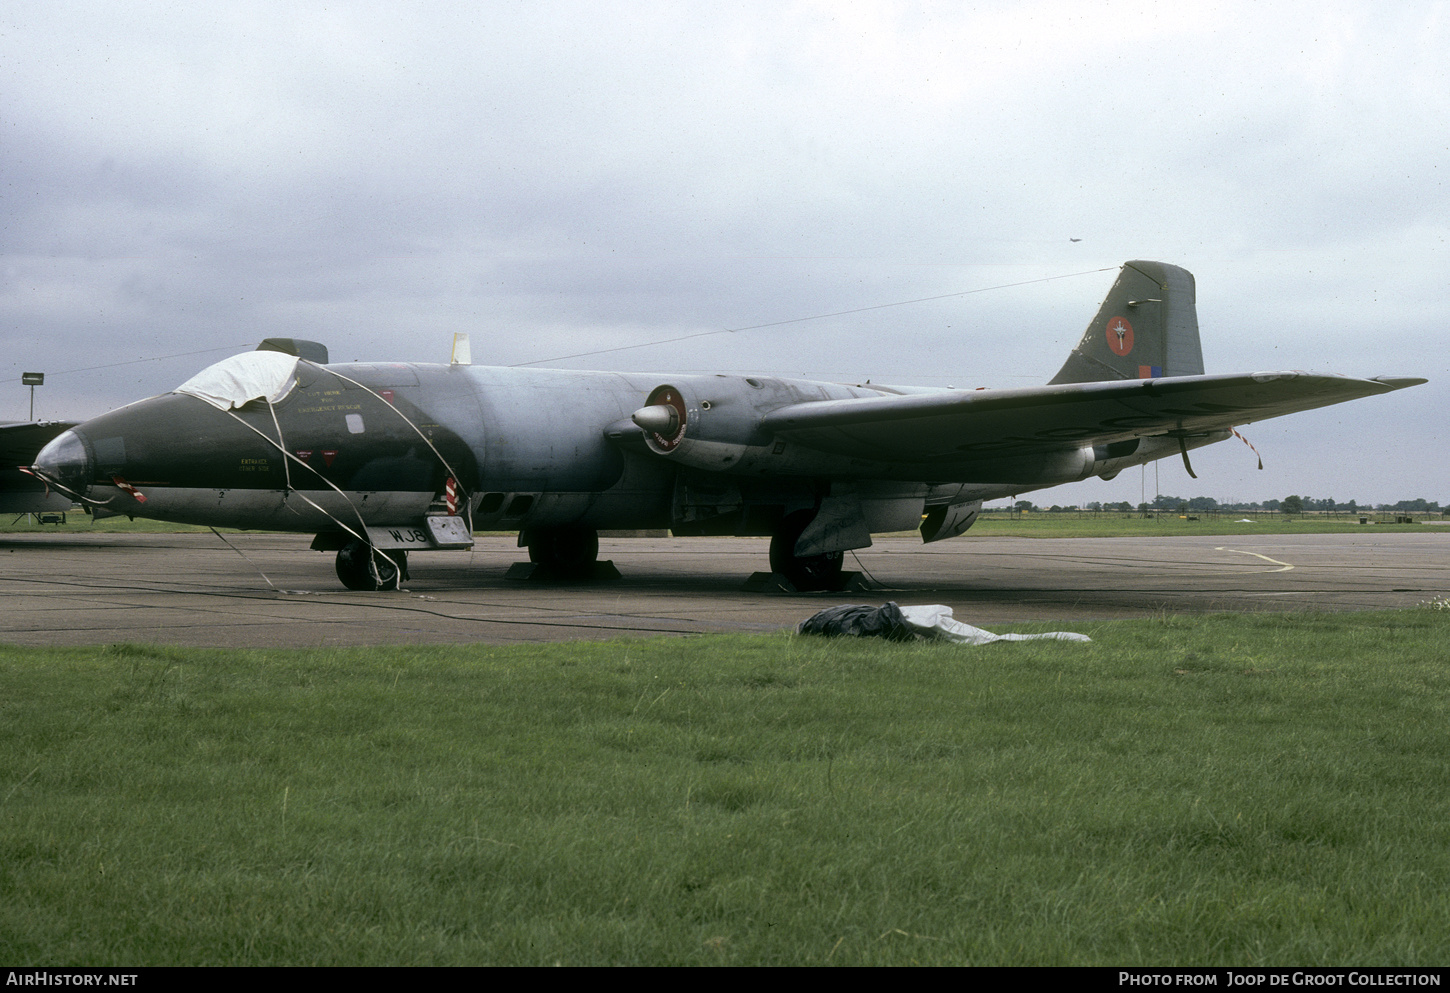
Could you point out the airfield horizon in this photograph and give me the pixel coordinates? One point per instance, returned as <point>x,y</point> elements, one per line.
<point>1034,524</point>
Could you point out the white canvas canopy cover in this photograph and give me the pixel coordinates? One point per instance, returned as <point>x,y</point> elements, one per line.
<point>243,378</point>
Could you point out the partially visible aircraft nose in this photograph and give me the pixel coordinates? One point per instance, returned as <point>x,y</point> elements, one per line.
<point>65,461</point>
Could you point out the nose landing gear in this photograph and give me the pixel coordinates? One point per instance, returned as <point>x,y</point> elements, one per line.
<point>361,567</point>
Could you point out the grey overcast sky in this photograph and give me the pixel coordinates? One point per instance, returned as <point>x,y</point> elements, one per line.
<point>180,181</point>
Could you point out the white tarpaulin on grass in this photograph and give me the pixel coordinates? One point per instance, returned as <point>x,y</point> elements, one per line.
<point>933,620</point>
<point>897,623</point>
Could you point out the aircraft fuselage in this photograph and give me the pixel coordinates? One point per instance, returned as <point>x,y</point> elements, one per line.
<point>525,446</point>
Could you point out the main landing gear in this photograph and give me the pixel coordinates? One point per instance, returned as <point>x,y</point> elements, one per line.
<point>567,552</point>
<point>807,573</point>
<point>362,567</point>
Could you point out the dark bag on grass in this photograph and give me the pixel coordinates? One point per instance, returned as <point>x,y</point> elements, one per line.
<point>860,621</point>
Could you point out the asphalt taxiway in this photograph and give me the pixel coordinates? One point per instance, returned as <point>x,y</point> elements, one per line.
<point>190,589</point>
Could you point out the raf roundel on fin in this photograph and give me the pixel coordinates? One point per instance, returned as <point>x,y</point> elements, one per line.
<point>1120,336</point>
<point>1148,321</point>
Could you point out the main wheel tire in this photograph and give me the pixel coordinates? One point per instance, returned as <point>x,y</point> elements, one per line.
<point>805,572</point>
<point>361,567</point>
<point>570,550</point>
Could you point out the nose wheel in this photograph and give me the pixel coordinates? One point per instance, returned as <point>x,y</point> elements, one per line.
<point>362,567</point>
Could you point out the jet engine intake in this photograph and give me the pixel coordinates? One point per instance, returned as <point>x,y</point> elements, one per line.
<point>663,419</point>
<point>718,431</point>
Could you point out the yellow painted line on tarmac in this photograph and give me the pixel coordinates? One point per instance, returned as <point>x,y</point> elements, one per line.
<point>1240,551</point>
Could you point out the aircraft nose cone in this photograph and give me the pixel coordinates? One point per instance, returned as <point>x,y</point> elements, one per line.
<point>67,463</point>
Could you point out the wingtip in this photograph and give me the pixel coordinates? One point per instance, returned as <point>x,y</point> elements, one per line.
<point>1400,382</point>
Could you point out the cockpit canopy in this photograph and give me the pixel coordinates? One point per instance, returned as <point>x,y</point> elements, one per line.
<point>236,381</point>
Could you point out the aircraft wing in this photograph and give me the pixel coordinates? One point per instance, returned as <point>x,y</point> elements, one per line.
<point>19,444</point>
<point>960,427</point>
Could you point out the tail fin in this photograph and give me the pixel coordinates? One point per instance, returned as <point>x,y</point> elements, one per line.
<point>1147,327</point>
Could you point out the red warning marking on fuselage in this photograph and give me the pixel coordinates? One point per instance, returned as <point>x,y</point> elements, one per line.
<point>328,454</point>
<point>1120,336</point>
<point>303,453</point>
<point>137,494</point>
<point>386,395</point>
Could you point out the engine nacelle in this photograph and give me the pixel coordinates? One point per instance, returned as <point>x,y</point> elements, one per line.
<point>673,421</point>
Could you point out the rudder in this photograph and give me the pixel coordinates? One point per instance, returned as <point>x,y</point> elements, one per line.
<point>1147,327</point>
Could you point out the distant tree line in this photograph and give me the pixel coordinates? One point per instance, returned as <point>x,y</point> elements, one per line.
<point>1292,504</point>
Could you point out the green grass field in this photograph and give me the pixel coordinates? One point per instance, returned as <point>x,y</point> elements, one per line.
<point>1255,790</point>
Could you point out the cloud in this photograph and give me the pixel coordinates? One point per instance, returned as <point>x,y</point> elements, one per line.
<point>565,177</point>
